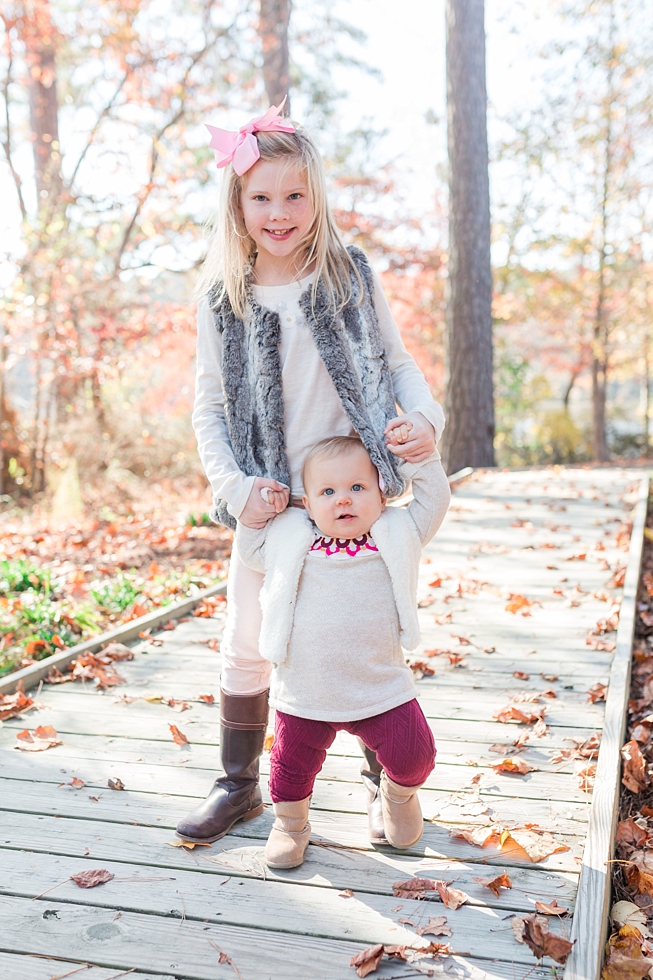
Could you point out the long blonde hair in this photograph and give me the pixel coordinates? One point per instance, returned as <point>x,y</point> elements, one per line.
<point>231,254</point>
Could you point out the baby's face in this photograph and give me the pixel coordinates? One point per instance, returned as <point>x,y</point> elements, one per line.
<point>342,494</point>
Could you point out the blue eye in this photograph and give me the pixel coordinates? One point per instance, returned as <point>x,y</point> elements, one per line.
<point>329,491</point>
<point>357,487</point>
<point>260,197</point>
<point>295,196</point>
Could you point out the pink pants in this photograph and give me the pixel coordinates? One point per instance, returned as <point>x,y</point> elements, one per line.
<point>401,738</point>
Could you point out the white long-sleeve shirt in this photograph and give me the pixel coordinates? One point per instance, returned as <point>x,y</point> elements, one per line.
<point>312,408</point>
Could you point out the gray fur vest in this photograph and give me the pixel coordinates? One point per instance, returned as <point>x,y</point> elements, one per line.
<point>351,347</point>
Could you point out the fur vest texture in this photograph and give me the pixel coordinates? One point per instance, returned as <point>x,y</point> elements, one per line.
<point>287,542</point>
<point>351,347</point>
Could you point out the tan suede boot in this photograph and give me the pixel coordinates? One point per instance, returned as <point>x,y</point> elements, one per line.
<point>402,813</point>
<point>288,838</point>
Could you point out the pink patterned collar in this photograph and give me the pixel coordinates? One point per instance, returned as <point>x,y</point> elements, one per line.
<point>351,546</point>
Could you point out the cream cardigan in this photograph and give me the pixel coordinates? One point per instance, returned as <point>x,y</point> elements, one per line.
<point>279,551</point>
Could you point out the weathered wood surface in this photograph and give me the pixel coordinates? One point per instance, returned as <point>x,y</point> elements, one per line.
<point>294,924</point>
<point>591,920</point>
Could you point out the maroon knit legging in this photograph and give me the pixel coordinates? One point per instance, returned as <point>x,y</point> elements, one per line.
<point>401,738</point>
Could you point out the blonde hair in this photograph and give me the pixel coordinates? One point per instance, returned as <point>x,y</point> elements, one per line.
<point>232,252</point>
<point>330,449</point>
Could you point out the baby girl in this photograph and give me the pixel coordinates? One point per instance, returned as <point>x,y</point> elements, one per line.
<point>338,604</point>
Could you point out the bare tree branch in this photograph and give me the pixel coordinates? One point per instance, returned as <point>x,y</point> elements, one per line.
<point>7,141</point>
<point>105,112</point>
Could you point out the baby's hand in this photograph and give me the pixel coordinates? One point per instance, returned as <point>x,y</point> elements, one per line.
<point>417,444</point>
<point>266,498</point>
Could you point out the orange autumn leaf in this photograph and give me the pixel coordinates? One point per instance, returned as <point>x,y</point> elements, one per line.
<point>44,737</point>
<point>597,693</point>
<point>12,705</point>
<point>519,603</point>
<point>436,583</point>
<point>495,884</point>
<point>515,767</point>
<point>521,675</point>
<point>177,736</point>
<point>639,880</point>
<point>206,698</point>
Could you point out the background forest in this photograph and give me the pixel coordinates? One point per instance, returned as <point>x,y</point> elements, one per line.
<point>108,181</point>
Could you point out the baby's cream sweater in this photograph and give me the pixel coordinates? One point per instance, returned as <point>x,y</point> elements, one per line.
<point>333,625</point>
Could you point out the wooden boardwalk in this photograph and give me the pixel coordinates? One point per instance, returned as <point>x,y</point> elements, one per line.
<point>169,912</point>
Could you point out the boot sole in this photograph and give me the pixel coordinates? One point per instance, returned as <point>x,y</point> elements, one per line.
<point>286,866</point>
<point>256,812</point>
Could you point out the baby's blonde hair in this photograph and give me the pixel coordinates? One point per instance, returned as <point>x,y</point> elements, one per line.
<point>330,449</point>
<point>232,252</point>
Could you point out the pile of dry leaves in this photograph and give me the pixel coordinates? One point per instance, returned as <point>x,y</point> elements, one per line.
<point>629,951</point>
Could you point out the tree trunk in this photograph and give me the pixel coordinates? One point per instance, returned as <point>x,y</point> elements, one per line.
<point>39,36</point>
<point>469,435</point>
<point>273,31</point>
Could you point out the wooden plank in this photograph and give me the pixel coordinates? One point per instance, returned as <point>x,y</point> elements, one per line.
<point>26,967</point>
<point>73,711</point>
<point>280,906</point>
<point>334,828</point>
<point>591,918</point>
<point>343,802</point>
<point>183,948</point>
<point>29,677</point>
<point>368,871</point>
<point>145,778</point>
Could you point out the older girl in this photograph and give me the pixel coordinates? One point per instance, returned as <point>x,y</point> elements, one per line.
<point>296,343</point>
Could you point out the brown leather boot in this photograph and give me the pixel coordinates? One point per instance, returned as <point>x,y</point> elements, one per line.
<point>371,772</point>
<point>236,795</point>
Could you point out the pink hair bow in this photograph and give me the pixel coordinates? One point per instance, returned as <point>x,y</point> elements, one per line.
<point>241,148</point>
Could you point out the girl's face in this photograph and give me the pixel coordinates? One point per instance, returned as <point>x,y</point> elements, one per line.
<point>342,494</point>
<point>276,208</point>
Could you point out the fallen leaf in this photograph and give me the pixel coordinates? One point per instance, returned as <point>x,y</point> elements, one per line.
<point>435,927</point>
<point>495,884</point>
<point>624,956</point>
<point>406,922</point>
<point>452,898</point>
<point>268,742</point>
<point>597,644</point>
<point>538,846</point>
<point>533,931</point>
<point>206,698</point>
<point>513,767</point>
<point>346,893</point>
<point>639,880</point>
<point>44,737</point>
<point>519,603</point>
<point>597,693</point>
<point>413,888</point>
<point>90,879</point>
<point>176,705</point>
<point>117,651</point>
<point>188,844</point>
<point>436,583</point>
<point>635,777</point>
<point>178,736</point>
<point>12,705</point>
<point>442,618</point>
<point>521,675</point>
<point>551,678</point>
<point>75,782</point>
<point>419,667</point>
<point>627,913</point>
<point>523,716</point>
<point>585,777</point>
<point>367,961</point>
<point>629,832</point>
<point>461,639</point>
<point>552,908</point>
<point>116,783</point>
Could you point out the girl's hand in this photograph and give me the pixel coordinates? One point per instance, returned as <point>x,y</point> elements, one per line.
<point>258,511</point>
<point>410,437</point>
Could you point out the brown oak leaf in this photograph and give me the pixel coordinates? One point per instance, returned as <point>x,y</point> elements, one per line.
<point>528,716</point>
<point>513,767</point>
<point>90,879</point>
<point>624,956</point>
<point>533,931</point>
<point>453,898</point>
<point>413,888</point>
<point>116,783</point>
<point>551,908</point>
<point>435,927</point>
<point>367,961</point>
<point>635,777</point>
